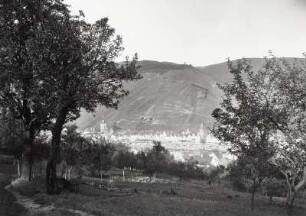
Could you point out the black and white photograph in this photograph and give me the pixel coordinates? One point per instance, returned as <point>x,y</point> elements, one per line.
<point>152,107</point>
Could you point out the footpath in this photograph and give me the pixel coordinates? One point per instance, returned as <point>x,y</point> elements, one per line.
<point>8,205</point>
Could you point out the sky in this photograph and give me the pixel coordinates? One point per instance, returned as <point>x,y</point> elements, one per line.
<point>202,32</point>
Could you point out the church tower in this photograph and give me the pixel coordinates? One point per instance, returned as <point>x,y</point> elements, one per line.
<point>103,126</point>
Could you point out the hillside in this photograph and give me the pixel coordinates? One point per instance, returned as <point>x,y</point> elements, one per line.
<point>170,97</point>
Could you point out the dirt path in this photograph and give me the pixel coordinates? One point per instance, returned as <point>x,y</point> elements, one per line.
<point>8,206</point>
<point>15,204</point>
<point>37,209</point>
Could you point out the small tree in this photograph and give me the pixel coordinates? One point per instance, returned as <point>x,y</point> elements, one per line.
<point>275,187</point>
<point>290,160</point>
<point>158,159</point>
<point>248,173</point>
<point>215,173</point>
<point>73,150</point>
<point>41,151</point>
<point>290,140</point>
<point>185,170</point>
<point>141,157</point>
<point>102,157</point>
<point>125,159</point>
<point>244,119</point>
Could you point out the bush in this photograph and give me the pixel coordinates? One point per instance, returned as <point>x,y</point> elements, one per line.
<point>276,187</point>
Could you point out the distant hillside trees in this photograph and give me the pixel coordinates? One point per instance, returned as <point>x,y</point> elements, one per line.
<point>261,118</point>
<point>156,160</point>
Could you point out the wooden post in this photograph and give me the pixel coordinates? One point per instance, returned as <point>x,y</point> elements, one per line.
<point>101,177</point>
<point>18,167</point>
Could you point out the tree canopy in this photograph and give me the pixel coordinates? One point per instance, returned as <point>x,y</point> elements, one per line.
<point>54,64</point>
<point>261,118</point>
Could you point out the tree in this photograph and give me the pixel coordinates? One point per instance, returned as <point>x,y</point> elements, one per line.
<point>11,132</point>
<point>275,187</point>
<point>102,157</point>
<point>178,169</point>
<point>216,173</point>
<point>244,121</point>
<point>287,98</point>
<point>141,157</point>
<point>248,172</point>
<point>124,158</point>
<point>186,170</point>
<point>158,159</point>
<point>73,150</point>
<point>78,66</point>
<point>44,49</point>
<point>290,160</point>
<point>20,90</point>
<point>40,151</point>
<point>290,157</point>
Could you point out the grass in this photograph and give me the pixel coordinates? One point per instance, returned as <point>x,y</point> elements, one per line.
<point>8,206</point>
<point>128,198</point>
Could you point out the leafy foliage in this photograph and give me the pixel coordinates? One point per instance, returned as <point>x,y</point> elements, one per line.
<point>157,159</point>
<point>247,120</point>
<point>125,159</point>
<point>102,157</point>
<point>291,148</point>
<point>11,131</point>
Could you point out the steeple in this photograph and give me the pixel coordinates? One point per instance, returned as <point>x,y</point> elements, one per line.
<point>103,126</point>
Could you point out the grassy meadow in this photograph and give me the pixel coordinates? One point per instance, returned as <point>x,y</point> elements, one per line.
<point>192,197</point>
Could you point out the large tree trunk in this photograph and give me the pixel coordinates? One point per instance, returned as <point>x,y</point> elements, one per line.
<point>253,191</point>
<point>253,201</point>
<point>18,163</point>
<point>51,166</point>
<point>27,159</point>
<point>294,188</point>
<point>289,203</point>
<point>55,146</point>
<point>270,199</point>
<point>290,199</point>
<point>69,172</point>
<point>51,176</point>
<point>25,167</point>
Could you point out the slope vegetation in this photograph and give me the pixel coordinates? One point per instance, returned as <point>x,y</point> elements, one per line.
<point>170,97</point>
